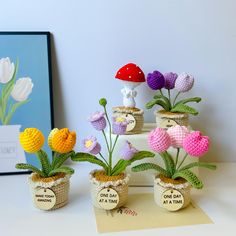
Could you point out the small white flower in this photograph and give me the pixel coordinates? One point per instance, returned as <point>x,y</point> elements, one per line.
<point>22,89</point>
<point>6,70</point>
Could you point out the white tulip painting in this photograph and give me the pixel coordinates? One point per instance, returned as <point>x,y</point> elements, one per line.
<point>7,69</point>
<point>22,89</point>
<point>14,92</point>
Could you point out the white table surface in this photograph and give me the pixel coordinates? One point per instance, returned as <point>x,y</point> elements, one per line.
<point>19,217</point>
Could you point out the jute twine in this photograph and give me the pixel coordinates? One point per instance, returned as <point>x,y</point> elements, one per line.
<point>60,187</point>
<point>160,187</point>
<point>120,186</point>
<point>136,113</point>
<point>180,118</point>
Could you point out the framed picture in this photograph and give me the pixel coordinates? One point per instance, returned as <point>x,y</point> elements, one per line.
<point>26,94</point>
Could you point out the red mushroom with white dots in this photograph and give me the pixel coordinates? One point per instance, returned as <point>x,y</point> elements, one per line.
<point>132,76</point>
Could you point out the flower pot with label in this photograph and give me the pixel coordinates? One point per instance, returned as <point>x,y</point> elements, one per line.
<point>173,184</point>
<point>50,184</point>
<point>171,194</point>
<point>109,186</point>
<point>50,193</point>
<point>108,192</point>
<point>174,112</point>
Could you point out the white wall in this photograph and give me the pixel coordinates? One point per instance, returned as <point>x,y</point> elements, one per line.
<point>93,38</point>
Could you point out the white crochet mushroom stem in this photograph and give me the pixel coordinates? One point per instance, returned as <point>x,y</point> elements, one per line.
<point>129,94</point>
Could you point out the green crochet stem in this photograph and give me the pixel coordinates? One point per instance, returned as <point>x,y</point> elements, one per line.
<point>49,169</point>
<point>180,106</point>
<point>172,171</point>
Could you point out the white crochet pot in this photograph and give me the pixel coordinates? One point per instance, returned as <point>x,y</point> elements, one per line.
<point>119,186</point>
<point>59,188</point>
<point>166,119</point>
<point>161,187</point>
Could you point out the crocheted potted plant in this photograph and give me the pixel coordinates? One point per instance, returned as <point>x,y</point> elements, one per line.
<point>15,93</point>
<point>173,111</point>
<point>50,184</point>
<point>173,183</point>
<point>109,185</point>
<point>131,76</point>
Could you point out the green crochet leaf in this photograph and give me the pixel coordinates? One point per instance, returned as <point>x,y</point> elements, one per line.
<point>62,169</point>
<point>154,102</point>
<point>149,166</point>
<point>169,163</point>
<point>184,108</point>
<point>122,164</point>
<point>184,101</point>
<point>199,164</point>
<point>45,163</point>
<point>61,158</point>
<point>86,157</point>
<point>190,177</point>
<point>167,102</point>
<point>23,166</point>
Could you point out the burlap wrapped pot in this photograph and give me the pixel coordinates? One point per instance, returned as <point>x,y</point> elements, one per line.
<point>59,184</point>
<point>177,118</point>
<point>120,186</point>
<point>137,115</point>
<point>160,186</point>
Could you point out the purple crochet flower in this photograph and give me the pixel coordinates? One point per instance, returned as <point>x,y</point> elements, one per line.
<point>184,82</point>
<point>98,120</point>
<point>119,125</point>
<point>170,79</point>
<point>128,151</point>
<point>155,80</point>
<point>90,145</point>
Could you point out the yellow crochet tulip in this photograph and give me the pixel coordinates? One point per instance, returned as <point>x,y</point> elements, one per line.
<point>31,139</point>
<point>55,130</point>
<point>63,141</point>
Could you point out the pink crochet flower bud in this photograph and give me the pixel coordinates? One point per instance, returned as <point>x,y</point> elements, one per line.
<point>177,135</point>
<point>184,82</point>
<point>195,144</point>
<point>159,140</point>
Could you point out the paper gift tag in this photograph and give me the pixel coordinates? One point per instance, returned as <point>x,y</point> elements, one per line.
<point>44,199</point>
<point>108,198</point>
<point>167,123</point>
<point>172,200</point>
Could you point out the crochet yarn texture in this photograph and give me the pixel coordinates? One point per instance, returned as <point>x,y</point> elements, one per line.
<point>195,144</point>
<point>177,135</point>
<point>63,140</point>
<point>159,140</point>
<point>31,140</point>
<point>184,82</point>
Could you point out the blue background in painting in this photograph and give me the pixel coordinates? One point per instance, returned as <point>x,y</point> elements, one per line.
<point>32,53</point>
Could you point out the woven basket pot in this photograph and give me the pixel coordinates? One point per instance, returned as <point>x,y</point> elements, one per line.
<point>136,116</point>
<point>120,186</point>
<point>166,119</point>
<point>160,186</point>
<point>59,184</point>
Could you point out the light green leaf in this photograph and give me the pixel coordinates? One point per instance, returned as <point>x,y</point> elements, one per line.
<point>184,101</point>
<point>12,110</point>
<point>45,163</point>
<point>190,177</point>
<point>199,164</point>
<point>154,102</point>
<point>23,166</point>
<point>86,157</point>
<point>169,163</point>
<point>62,169</point>
<point>61,158</point>
<point>149,166</point>
<point>184,108</point>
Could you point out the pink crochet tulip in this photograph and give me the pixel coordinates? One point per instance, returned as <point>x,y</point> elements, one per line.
<point>159,140</point>
<point>195,144</point>
<point>177,135</point>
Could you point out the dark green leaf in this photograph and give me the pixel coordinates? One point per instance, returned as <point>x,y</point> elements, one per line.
<point>62,169</point>
<point>190,177</point>
<point>24,166</point>
<point>195,99</point>
<point>184,108</point>
<point>199,164</point>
